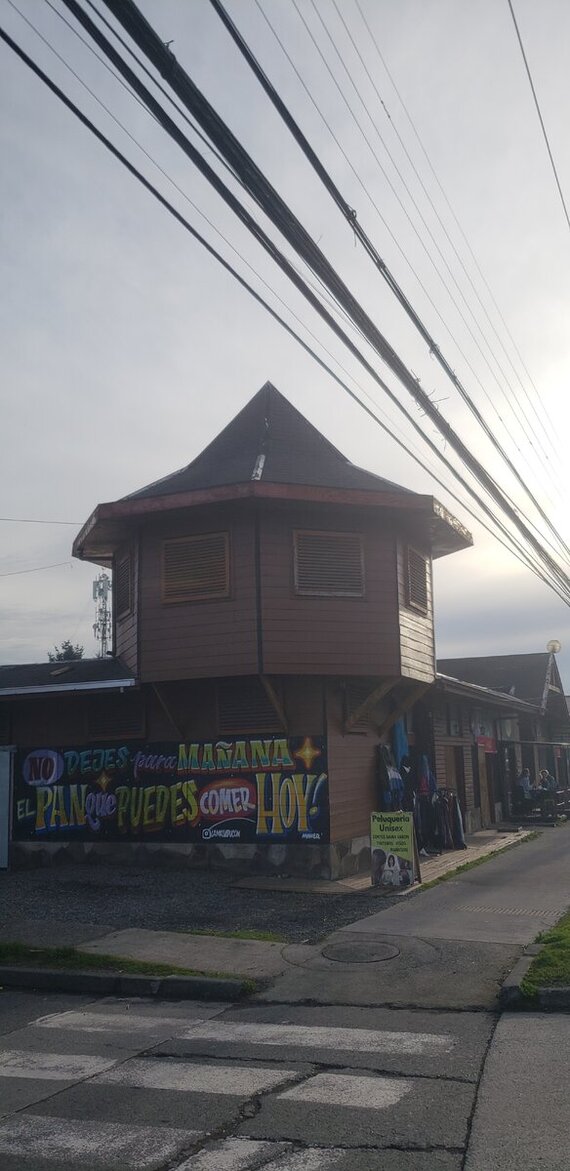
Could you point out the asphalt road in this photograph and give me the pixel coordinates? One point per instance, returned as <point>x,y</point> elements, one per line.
<point>112,1085</point>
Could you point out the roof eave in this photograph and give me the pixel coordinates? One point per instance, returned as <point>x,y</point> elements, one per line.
<point>460,687</point>
<point>57,688</point>
<point>96,540</point>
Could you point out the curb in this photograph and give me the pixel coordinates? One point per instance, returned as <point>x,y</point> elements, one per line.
<point>108,984</point>
<point>511,996</point>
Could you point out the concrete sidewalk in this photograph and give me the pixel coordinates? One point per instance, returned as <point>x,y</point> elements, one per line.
<point>522,1114</point>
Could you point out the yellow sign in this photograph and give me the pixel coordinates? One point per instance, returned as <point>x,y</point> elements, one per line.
<point>394,851</point>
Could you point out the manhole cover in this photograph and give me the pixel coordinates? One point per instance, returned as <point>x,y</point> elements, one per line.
<point>360,953</point>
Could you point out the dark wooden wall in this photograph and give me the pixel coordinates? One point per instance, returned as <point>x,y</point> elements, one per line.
<point>328,635</point>
<point>352,787</point>
<point>199,639</point>
<point>417,640</point>
<point>126,627</point>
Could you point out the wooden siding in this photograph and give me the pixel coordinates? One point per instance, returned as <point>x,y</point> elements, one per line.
<point>417,641</point>
<point>442,741</point>
<point>352,782</point>
<point>126,626</point>
<point>206,638</point>
<point>328,635</point>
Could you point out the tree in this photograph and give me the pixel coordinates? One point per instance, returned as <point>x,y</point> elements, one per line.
<point>66,652</point>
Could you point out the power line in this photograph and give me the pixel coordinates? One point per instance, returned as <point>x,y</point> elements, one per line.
<point>352,218</point>
<point>540,118</point>
<point>37,569</point>
<point>27,520</point>
<point>447,235</point>
<point>449,292</point>
<point>552,438</point>
<point>510,542</point>
<point>282,217</point>
<point>373,254</point>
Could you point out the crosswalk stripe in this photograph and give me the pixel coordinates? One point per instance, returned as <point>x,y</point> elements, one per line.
<point>245,1155</point>
<point>99,1146</point>
<point>314,1037</point>
<point>339,1089</point>
<point>23,1063</point>
<point>111,1022</point>
<point>171,1074</point>
<point>233,1154</point>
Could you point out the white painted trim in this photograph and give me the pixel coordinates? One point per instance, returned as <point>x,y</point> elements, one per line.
<point>57,688</point>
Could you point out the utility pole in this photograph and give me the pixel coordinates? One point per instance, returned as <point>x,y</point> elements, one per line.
<point>102,624</point>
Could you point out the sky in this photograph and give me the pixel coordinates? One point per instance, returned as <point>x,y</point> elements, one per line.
<point>125,348</point>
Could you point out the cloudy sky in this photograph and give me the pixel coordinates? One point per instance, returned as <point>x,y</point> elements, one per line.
<point>125,349</point>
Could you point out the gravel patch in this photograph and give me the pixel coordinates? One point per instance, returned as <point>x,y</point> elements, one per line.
<point>74,899</point>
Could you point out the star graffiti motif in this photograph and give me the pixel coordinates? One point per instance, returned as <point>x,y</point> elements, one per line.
<point>307,752</point>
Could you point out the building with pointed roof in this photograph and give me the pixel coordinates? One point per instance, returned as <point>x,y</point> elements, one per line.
<point>273,607</point>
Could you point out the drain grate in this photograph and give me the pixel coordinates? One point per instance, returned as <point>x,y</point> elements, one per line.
<point>360,953</point>
<point>535,914</point>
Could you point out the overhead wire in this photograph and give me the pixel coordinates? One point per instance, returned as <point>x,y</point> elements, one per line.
<point>374,204</point>
<point>283,218</point>
<point>378,161</point>
<point>507,540</point>
<point>552,438</point>
<point>36,569</point>
<point>443,227</point>
<point>375,257</point>
<point>539,112</point>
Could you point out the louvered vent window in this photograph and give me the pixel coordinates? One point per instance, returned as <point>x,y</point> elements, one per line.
<point>116,717</point>
<point>417,580</point>
<point>196,568</point>
<point>244,706</point>
<point>355,695</point>
<point>123,586</point>
<point>329,564</point>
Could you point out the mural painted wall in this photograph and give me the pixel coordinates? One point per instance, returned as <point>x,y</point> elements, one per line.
<point>244,790</point>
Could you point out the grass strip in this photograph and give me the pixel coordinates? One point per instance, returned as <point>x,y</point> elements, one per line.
<point>243,933</point>
<point>551,968</point>
<point>70,959</point>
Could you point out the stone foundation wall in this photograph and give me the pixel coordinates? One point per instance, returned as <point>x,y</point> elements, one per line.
<point>337,860</point>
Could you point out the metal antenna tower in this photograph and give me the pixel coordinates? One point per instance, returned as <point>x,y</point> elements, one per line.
<point>102,624</point>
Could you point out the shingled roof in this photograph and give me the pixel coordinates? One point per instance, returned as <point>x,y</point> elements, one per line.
<point>70,675</point>
<point>269,441</point>
<point>268,451</point>
<point>525,676</point>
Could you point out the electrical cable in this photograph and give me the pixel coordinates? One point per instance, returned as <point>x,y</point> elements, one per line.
<point>368,195</point>
<point>372,252</point>
<point>378,213</point>
<point>374,153</point>
<point>513,545</point>
<point>27,520</point>
<point>538,110</point>
<point>552,438</point>
<point>37,569</point>
<point>164,61</point>
<point>443,227</point>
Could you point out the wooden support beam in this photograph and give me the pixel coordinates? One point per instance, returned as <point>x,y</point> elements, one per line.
<point>274,700</point>
<point>167,712</point>
<point>374,697</point>
<point>404,706</point>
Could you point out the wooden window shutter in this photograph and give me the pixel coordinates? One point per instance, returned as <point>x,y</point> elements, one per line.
<point>123,585</point>
<point>417,580</point>
<point>244,706</point>
<point>196,568</point>
<point>329,564</point>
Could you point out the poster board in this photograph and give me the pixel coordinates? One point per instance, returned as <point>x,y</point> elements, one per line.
<point>393,849</point>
